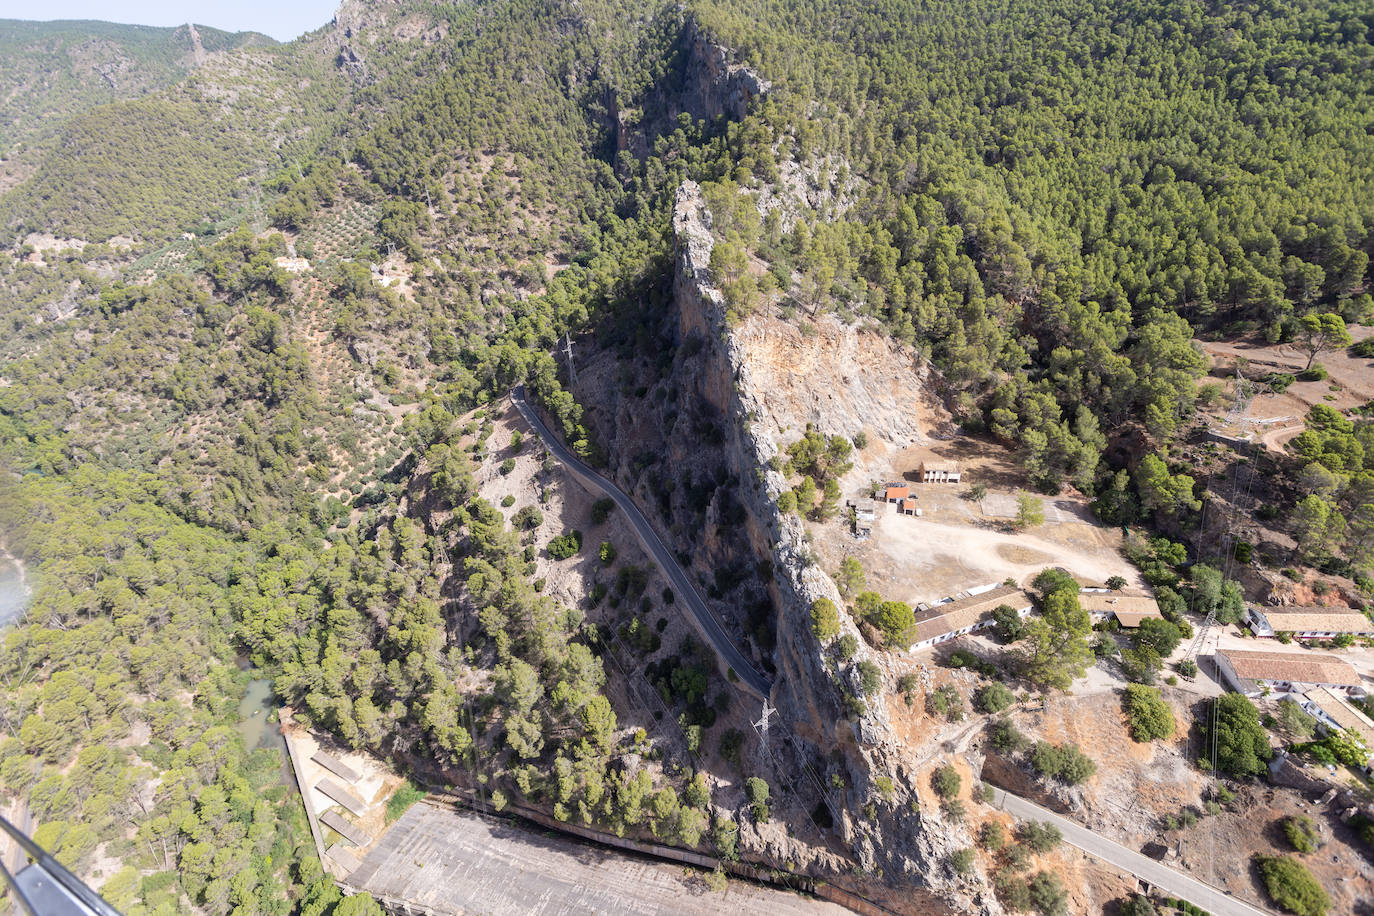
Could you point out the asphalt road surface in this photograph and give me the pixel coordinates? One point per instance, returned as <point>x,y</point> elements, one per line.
<point>706,622</point>
<point>1171,882</point>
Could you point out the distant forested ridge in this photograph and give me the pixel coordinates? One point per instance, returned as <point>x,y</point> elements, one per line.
<point>50,71</point>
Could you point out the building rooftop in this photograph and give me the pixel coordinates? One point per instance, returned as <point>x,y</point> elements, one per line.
<point>336,766</point>
<point>350,832</point>
<point>338,793</point>
<point>1118,603</point>
<point>1316,619</point>
<point>956,615</point>
<point>895,492</point>
<point>908,504</point>
<point>1131,619</point>
<point>950,467</point>
<point>1343,713</point>
<point>1294,667</point>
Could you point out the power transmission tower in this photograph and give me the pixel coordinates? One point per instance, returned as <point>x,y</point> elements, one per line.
<point>1244,392</point>
<point>762,724</point>
<point>572,373</point>
<point>1201,635</point>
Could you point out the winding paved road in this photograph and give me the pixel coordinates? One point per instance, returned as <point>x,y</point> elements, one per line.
<point>706,623</point>
<point>1169,880</point>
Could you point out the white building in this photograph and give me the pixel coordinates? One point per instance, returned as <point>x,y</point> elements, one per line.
<point>1335,713</point>
<point>1254,673</point>
<point>953,619</point>
<point>939,472</point>
<point>1308,622</point>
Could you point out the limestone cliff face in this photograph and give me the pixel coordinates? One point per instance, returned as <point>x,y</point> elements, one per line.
<point>897,842</point>
<point>725,379</point>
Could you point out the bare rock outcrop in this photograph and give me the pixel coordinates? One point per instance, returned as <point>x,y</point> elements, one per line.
<point>708,85</point>
<point>715,86</point>
<point>807,689</point>
<point>726,380</point>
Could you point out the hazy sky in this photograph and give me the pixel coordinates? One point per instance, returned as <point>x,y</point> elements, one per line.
<point>282,19</point>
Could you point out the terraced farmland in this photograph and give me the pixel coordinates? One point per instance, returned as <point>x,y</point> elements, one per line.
<point>343,232</point>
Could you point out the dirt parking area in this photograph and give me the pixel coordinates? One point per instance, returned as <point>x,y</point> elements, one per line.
<point>925,559</point>
<point>954,544</point>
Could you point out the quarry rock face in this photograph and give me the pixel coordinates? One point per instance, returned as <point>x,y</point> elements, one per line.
<point>896,842</point>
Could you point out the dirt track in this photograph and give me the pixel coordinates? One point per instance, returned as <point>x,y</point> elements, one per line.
<point>1351,384</point>
<point>1276,439</point>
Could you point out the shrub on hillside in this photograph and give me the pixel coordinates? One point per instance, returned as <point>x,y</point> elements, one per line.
<point>894,619</point>
<point>994,697</point>
<point>992,836</point>
<point>870,677</point>
<point>1148,715</point>
<point>946,781</point>
<point>825,619</point>
<point>907,685</point>
<point>1064,762</point>
<point>1137,905</point>
<point>1006,737</point>
<point>1047,894</point>
<point>945,701</point>
<point>1291,886</point>
<point>601,510</point>
<point>1242,745</point>
<point>1038,836</point>
<point>1301,832</point>
<point>527,518</point>
<point>565,545</point>
<point>1011,890</point>
<point>757,790</point>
